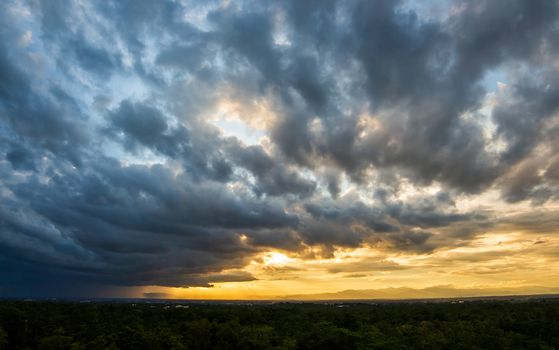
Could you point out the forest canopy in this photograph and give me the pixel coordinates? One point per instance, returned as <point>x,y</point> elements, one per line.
<point>166,325</point>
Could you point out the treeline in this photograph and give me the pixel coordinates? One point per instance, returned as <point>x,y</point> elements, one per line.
<point>471,325</point>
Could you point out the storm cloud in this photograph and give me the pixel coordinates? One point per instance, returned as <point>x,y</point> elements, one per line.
<point>168,143</point>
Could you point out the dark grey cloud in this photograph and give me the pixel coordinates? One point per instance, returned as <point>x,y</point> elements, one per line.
<point>431,74</point>
<point>248,36</point>
<point>112,172</point>
<point>144,125</point>
<point>522,121</point>
<point>48,120</point>
<point>390,224</point>
<point>185,57</point>
<point>20,158</point>
<point>537,222</point>
<point>521,117</point>
<point>60,31</point>
<point>124,236</point>
<point>273,177</point>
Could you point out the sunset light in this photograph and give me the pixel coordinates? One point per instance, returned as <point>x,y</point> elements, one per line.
<point>279,149</point>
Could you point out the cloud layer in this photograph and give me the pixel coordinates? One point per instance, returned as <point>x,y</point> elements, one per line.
<point>173,143</point>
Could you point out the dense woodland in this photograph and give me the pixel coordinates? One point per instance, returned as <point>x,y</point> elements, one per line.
<point>114,325</point>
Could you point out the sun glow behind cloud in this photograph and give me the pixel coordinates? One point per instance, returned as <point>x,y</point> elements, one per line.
<point>498,262</point>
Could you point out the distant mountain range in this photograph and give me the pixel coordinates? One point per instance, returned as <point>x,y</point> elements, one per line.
<point>435,292</point>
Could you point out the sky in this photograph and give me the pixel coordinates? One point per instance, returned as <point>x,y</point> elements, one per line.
<point>279,149</point>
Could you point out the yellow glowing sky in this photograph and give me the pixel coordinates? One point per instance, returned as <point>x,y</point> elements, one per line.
<point>496,261</point>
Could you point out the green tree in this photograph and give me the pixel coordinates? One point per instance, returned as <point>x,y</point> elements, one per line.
<point>258,337</point>
<point>3,339</point>
<point>59,341</point>
<point>197,334</point>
